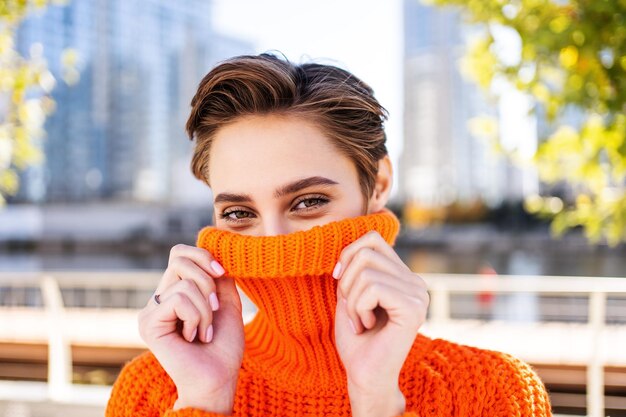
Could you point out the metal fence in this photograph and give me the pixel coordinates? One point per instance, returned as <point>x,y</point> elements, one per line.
<point>599,303</point>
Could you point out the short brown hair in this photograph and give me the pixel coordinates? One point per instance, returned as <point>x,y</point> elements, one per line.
<point>338,102</point>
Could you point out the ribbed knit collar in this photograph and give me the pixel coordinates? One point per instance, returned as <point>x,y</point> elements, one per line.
<point>288,277</point>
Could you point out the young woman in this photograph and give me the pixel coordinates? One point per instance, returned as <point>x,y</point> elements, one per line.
<point>295,157</point>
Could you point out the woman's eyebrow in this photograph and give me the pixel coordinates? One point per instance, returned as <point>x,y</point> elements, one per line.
<point>282,191</point>
<point>232,198</point>
<point>301,184</point>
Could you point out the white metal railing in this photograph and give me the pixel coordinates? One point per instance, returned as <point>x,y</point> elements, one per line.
<point>441,287</point>
<point>59,386</point>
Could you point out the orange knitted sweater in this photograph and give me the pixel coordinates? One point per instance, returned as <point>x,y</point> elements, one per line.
<point>290,365</point>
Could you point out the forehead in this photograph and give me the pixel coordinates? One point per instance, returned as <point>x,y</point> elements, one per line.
<point>262,151</point>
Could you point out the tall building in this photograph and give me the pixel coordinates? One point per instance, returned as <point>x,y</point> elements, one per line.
<point>442,162</point>
<point>118,134</point>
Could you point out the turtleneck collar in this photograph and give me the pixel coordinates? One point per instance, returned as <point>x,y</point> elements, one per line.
<point>289,278</point>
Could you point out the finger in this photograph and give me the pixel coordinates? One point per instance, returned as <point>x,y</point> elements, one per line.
<point>163,321</point>
<point>367,257</point>
<point>185,268</point>
<point>363,319</point>
<point>407,281</point>
<point>227,293</point>
<point>199,256</point>
<point>360,322</point>
<point>202,257</point>
<point>200,302</point>
<point>372,240</point>
<point>403,309</point>
<point>408,287</point>
<point>228,321</point>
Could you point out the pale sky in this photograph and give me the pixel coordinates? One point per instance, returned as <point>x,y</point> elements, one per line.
<point>364,37</point>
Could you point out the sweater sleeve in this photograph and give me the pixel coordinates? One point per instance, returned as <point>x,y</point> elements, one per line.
<point>143,389</point>
<point>524,389</point>
<point>191,412</point>
<point>504,385</point>
<point>509,386</point>
<point>448,378</point>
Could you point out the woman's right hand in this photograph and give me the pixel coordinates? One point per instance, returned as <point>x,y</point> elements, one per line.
<point>196,332</point>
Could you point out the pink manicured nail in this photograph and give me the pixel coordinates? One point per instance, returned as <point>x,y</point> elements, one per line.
<point>345,301</point>
<point>215,305</point>
<point>337,270</point>
<point>193,335</point>
<point>209,333</point>
<point>217,267</point>
<point>352,325</point>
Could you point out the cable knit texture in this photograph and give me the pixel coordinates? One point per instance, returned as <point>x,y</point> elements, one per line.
<point>290,365</point>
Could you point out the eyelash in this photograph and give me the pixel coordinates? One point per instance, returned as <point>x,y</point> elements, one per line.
<point>322,201</point>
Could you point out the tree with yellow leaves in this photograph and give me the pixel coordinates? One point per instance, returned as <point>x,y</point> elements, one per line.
<point>25,101</point>
<point>572,60</point>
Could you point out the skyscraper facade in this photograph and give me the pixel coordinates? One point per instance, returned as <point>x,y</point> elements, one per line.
<point>118,134</point>
<point>442,162</point>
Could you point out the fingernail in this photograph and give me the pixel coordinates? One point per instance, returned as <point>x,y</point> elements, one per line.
<point>209,333</point>
<point>337,270</point>
<point>345,301</point>
<point>217,267</point>
<point>193,335</point>
<point>215,305</point>
<point>352,326</point>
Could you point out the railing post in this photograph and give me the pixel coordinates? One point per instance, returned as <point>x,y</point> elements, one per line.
<point>59,350</point>
<point>440,303</point>
<point>595,369</point>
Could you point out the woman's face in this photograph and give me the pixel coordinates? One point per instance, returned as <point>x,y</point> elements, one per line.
<point>273,175</point>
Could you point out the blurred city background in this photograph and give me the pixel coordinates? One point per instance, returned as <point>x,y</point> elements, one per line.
<point>507,130</point>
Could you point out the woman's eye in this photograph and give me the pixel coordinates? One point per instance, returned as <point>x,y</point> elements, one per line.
<point>235,215</point>
<point>308,203</point>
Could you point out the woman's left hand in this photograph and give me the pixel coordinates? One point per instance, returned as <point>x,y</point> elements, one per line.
<point>381,304</point>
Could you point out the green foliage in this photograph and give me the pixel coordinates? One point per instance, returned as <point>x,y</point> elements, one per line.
<point>25,102</point>
<point>572,58</point>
